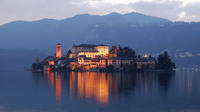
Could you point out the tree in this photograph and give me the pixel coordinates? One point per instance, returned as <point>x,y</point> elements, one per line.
<point>68,53</point>
<point>37,66</point>
<point>126,52</point>
<point>164,62</point>
<point>36,59</point>
<point>113,48</point>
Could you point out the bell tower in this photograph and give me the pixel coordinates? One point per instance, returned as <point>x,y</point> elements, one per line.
<point>58,50</point>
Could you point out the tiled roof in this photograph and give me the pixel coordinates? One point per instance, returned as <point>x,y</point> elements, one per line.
<point>88,45</point>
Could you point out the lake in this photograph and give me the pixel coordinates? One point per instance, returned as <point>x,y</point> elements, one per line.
<point>24,91</point>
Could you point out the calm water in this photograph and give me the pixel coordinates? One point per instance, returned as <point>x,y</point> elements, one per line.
<point>23,91</point>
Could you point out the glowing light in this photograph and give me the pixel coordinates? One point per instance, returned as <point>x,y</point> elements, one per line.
<point>90,85</point>
<point>51,63</point>
<point>50,77</point>
<point>58,51</point>
<point>58,89</point>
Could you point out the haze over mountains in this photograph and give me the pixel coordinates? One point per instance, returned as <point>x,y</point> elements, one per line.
<point>79,29</point>
<point>143,33</point>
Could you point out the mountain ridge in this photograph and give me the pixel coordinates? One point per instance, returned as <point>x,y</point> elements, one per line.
<point>86,14</point>
<point>132,29</point>
<point>180,39</point>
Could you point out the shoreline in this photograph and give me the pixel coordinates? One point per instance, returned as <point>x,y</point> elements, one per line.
<point>106,71</point>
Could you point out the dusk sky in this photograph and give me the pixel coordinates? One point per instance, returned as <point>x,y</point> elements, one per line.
<point>28,10</point>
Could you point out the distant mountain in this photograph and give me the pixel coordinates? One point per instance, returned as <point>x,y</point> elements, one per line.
<point>78,29</point>
<point>18,58</point>
<point>143,33</point>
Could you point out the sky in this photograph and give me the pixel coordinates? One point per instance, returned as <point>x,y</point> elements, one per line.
<point>30,10</point>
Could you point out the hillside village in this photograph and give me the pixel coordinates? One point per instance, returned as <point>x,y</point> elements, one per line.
<point>89,57</point>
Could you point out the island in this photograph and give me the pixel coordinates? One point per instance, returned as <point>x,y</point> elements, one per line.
<point>100,58</point>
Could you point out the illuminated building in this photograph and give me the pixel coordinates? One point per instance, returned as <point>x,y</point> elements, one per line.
<point>90,51</point>
<point>73,65</point>
<point>87,63</point>
<point>83,60</point>
<point>145,63</point>
<point>51,63</point>
<point>58,50</point>
<point>98,63</point>
<point>115,61</point>
<point>127,61</point>
<point>89,57</point>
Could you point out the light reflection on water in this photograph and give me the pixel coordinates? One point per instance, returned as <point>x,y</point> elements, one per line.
<point>90,85</point>
<point>99,92</point>
<point>99,87</point>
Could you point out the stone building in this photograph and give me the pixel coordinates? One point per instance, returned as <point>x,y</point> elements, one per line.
<point>90,51</point>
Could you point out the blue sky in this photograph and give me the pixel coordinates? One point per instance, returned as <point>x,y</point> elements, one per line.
<point>28,10</point>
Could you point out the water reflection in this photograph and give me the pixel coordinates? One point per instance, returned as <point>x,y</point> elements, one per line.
<point>164,80</point>
<point>101,87</point>
<point>58,89</point>
<point>187,81</point>
<point>90,86</point>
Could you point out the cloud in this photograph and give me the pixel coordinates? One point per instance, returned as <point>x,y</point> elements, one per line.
<point>11,10</point>
<point>182,15</point>
<point>176,10</point>
<point>162,9</point>
<point>192,12</point>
